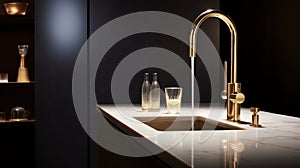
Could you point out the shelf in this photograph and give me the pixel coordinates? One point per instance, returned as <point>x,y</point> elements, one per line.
<point>10,20</point>
<point>31,82</point>
<point>17,122</point>
<point>17,84</point>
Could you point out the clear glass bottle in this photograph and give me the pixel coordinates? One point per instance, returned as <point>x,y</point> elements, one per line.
<point>146,93</point>
<point>155,94</point>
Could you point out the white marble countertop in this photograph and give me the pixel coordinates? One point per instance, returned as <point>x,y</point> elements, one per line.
<point>276,144</point>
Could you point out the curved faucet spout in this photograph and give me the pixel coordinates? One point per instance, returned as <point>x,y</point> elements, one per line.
<point>213,13</point>
<point>233,89</point>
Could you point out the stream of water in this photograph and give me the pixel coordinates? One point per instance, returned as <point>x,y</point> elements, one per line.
<point>192,104</point>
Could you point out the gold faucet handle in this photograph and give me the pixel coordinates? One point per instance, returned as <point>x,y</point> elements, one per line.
<point>238,98</point>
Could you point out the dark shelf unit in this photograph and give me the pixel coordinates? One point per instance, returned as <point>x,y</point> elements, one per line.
<point>18,138</point>
<point>15,30</point>
<point>18,144</point>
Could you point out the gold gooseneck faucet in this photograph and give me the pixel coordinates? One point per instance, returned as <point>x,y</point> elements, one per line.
<point>233,90</point>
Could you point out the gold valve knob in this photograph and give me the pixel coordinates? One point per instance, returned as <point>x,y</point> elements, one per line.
<point>224,94</point>
<point>255,117</point>
<point>238,98</point>
<point>254,109</point>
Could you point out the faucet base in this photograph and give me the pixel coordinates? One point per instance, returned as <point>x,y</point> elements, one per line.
<point>233,106</point>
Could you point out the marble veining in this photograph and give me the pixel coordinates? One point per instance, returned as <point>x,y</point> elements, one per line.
<point>277,144</point>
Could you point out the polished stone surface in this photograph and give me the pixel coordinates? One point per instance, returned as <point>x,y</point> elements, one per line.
<point>275,144</point>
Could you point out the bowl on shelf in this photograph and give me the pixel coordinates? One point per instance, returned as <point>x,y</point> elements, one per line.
<point>18,114</point>
<point>16,8</point>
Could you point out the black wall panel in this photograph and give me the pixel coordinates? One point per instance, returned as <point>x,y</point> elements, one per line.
<point>61,30</point>
<point>104,11</point>
<point>268,52</point>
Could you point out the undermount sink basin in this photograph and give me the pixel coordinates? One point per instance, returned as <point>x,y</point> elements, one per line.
<point>183,123</point>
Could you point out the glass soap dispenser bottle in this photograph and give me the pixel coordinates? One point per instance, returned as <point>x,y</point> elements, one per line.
<point>146,93</point>
<point>155,94</point>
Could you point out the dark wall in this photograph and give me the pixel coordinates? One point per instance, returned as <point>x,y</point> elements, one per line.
<point>106,10</point>
<point>268,52</point>
<point>61,30</point>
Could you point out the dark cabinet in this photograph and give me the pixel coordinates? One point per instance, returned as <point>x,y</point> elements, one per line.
<point>17,144</point>
<point>17,138</point>
<point>16,30</point>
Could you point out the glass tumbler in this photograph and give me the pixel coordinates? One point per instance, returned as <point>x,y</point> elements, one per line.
<point>173,99</point>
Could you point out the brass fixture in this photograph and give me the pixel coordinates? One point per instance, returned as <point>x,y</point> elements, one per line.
<point>234,95</point>
<point>16,8</point>
<point>255,117</point>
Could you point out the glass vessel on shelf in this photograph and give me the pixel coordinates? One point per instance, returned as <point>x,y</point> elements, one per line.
<point>23,71</point>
